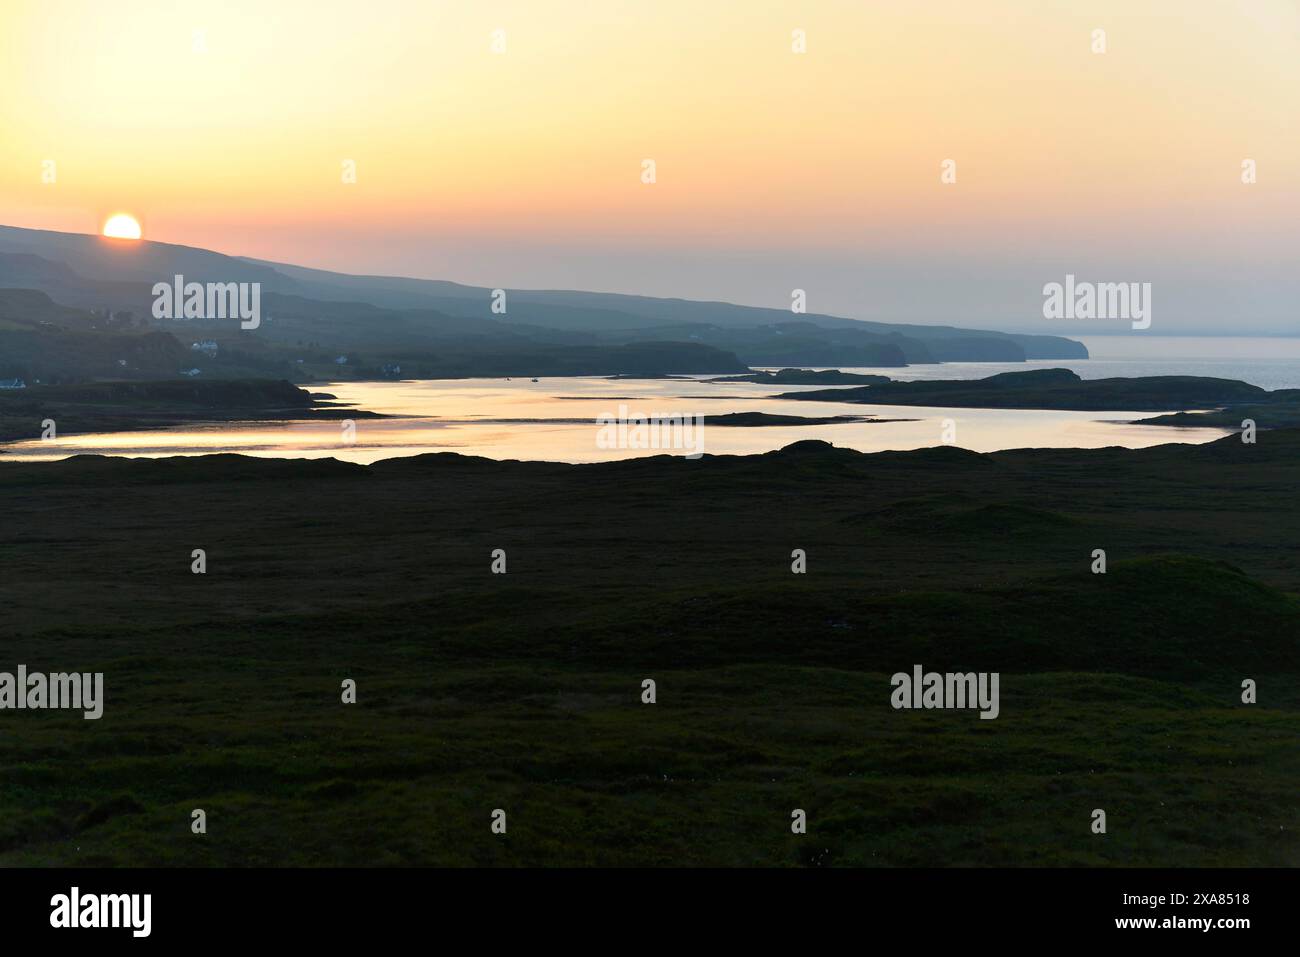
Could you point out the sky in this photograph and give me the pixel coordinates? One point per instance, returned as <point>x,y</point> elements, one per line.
<point>515,159</point>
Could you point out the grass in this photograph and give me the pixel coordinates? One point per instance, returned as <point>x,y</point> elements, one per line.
<point>522,691</point>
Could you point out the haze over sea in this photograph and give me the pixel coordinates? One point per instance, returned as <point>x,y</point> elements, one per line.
<point>554,419</point>
<point>1268,362</point>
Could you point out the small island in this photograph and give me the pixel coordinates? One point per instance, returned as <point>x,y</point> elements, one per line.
<point>1063,390</point>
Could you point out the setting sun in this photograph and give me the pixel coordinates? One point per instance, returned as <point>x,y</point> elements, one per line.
<point>122,226</point>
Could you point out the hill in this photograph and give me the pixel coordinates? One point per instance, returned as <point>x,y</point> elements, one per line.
<point>417,323</point>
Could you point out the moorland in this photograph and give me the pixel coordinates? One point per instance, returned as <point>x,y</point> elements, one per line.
<point>523,691</point>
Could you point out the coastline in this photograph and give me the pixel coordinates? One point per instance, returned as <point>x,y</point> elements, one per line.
<point>141,406</point>
<point>131,406</point>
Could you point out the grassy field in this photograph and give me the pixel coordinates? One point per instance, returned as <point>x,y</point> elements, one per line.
<point>522,691</point>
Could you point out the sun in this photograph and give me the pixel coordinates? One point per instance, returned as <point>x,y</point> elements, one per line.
<point>122,226</point>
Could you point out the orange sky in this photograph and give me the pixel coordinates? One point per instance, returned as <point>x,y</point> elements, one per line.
<point>509,168</point>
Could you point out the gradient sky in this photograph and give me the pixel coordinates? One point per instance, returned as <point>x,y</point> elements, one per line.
<point>775,170</point>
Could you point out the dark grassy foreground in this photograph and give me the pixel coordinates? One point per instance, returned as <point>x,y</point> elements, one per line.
<point>481,691</point>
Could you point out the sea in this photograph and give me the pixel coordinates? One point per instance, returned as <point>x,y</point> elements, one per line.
<point>565,419</point>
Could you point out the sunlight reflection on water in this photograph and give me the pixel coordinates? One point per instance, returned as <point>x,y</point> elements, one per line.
<point>464,416</point>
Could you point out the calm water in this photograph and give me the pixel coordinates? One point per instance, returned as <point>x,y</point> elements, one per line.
<point>491,417</point>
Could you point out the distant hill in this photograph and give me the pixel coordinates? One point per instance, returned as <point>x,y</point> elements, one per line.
<point>438,328</point>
